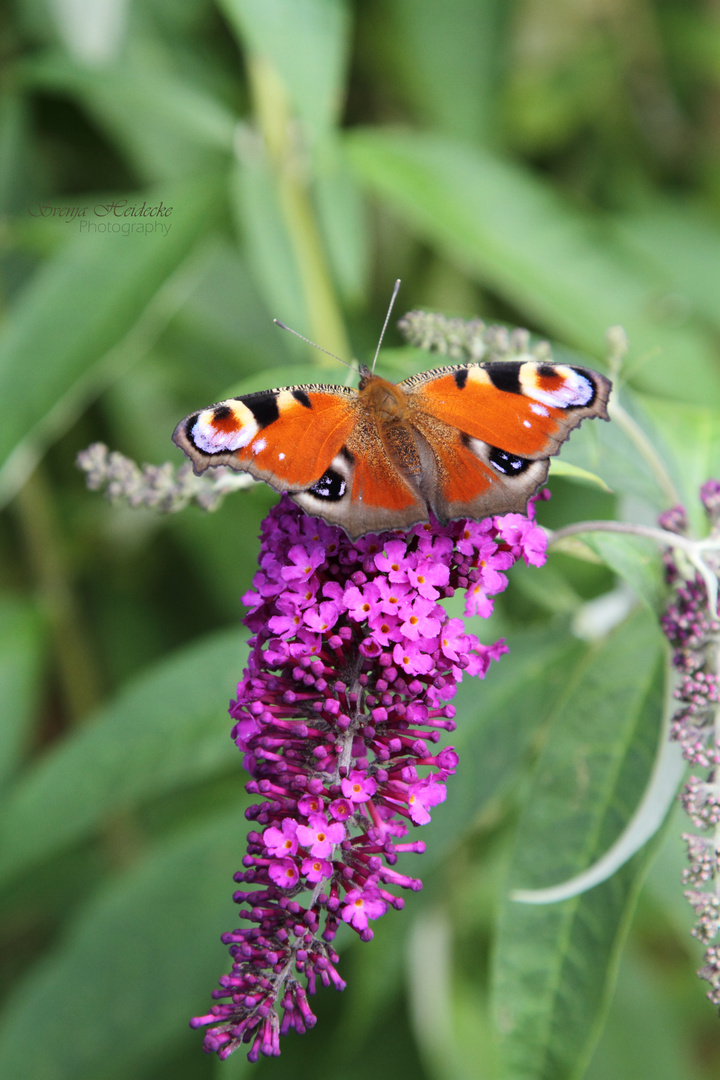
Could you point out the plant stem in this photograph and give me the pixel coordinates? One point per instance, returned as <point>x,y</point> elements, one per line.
<point>287,157</point>
<point>660,536</point>
<point>647,452</point>
<point>43,546</point>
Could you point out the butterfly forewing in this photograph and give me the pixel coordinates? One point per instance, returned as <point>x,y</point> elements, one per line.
<point>287,437</point>
<point>524,408</point>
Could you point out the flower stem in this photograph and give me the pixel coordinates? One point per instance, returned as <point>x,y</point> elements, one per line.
<point>692,549</point>
<point>660,536</point>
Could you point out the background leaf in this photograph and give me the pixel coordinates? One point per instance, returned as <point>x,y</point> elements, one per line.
<point>306,41</point>
<point>539,254</point>
<point>164,732</point>
<point>549,994</point>
<point>81,305</point>
<point>157,920</point>
<point>22,643</point>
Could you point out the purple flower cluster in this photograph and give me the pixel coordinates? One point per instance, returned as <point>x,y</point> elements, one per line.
<point>353,662</point>
<point>693,630</point>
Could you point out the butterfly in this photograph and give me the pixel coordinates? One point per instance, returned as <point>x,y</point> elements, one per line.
<point>462,441</point>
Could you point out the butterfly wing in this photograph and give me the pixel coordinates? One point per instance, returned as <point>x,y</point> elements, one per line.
<point>287,437</point>
<point>315,442</point>
<point>492,428</point>
<point>462,441</point>
<point>364,490</point>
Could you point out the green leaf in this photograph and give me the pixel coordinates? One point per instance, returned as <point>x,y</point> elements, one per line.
<point>115,996</point>
<point>290,375</point>
<point>635,559</point>
<point>168,729</point>
<point>554,964</point>
<point>510,231</point>
<point>14,149</point>
<point>307,42</point>
<point>457,98</point>
<point>79,306</point>
<point>270,255</point>
<point>692,436</point>
<point>643,1037</point>
<point>681,242</point>
<point>21,652</point>
<point>167,126</point>
<point>628,470</point>
<point>342,218</point>
<point>574,472</point>
<point>498,718</point>
<point>549,589</point>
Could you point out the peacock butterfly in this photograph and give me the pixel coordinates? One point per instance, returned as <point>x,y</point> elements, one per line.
<point>462,441</point>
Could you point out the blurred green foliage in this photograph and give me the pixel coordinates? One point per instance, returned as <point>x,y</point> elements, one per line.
<point>553,164</point>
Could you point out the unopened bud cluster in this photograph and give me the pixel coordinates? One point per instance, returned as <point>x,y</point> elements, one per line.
<point>157,487</point>
<point>469,339</point>
<point>693,629</point>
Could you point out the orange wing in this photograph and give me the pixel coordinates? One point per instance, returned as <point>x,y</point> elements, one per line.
<point>287,437</point>
<point>492,428</point>
<point>315,442</point>
<point>524,408</point>
<point>364,490</point>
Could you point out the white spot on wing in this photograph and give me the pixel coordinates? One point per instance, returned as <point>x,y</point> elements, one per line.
<point>539,410</point>
<point>526,423</point>
<point>258,446</point>
<point>281,457</point>
<point>211,441</point>
<point>575,389</point>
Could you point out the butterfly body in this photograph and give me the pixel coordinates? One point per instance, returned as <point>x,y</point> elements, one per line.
<point>467,440</point>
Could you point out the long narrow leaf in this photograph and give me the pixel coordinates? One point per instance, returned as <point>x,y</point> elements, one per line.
<point>509,230</point>
<point>22,641</point>
<point>307,43</point>
<point>554,964</point>
<point>82,303</point>
<point>115,996</point>
<point>165,731</point>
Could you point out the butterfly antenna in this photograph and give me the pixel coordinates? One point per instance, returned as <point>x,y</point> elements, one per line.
<point>387,320</point>
<point>309,342</point>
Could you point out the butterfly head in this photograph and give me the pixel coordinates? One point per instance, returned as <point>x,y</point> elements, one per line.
<point>366,376</point>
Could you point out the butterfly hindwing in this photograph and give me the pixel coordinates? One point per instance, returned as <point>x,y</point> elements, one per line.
<point>364,490</point>
<point>473,479</point>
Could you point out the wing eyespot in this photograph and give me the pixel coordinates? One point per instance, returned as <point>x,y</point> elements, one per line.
<point>507,464</point>
<point>331,486</point>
